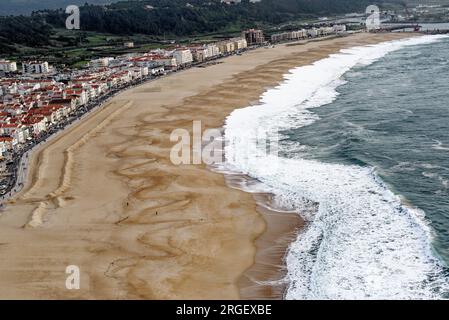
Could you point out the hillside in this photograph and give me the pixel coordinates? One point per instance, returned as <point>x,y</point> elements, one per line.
<point>165,18</point>
<point>161,18</point>
<point>26,7</point>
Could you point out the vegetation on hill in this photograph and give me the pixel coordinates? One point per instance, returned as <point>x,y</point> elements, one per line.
<point>162,18</point>
<point>185,17</point>
<point>26,7</point>
<point>30,31</point>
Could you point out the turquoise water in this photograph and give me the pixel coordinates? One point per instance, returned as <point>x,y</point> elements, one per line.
<point>393,115</point>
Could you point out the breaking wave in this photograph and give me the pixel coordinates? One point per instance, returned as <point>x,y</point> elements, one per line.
<point>361,242</point>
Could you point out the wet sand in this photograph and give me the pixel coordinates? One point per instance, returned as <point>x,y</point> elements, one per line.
<point>105,196</point>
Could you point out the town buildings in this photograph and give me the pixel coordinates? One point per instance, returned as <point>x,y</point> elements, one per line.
<point>199,54</point>
<point>307,33</point>
<point>212,51</point>
<point>239,43</point>
<point>253,37</point>
<point>35,67</point>
<point>339,28</point>
<point>8,66</point>
<point>34,101</point>
<point>288,36</point>
<point>37,99</point>
<point>101,62</point>
<point>226,47</point>
<point>183,56</point>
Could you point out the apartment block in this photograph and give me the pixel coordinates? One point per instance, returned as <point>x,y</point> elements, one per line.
<point>33,67</point>
<point>8,66</point>
<point>183,56</point>
<point>253,37</point>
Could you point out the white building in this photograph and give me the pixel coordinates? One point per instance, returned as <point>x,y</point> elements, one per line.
<point>38,126</point>
<point>123,77</point>
<point>312,32</point>
<point>145,71</point>
<point>157,71</point>
<point>183,56</point>
<point>168,62</point>
<point>100,63</point>
<point>324,31</point>
<point>136,73</point>
<point>35,67</point>
<point>8,66</point>
<point>199,54</point>
<point>6,144</point>
<point>240,43</point>
<point>212,50</point>
<point>339,28</point>
<point>299,34</point>
<point>11,88</point>
<point>80,95</point>
<point>226,47</point>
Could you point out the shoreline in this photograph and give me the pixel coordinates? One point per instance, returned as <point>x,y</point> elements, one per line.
<point>265,279</point>
<point>139,227</point>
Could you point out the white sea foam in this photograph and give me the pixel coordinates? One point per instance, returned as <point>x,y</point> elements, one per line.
<point>439,146</point>
<point>362,242</point>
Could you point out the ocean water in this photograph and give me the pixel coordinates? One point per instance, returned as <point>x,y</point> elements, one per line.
<point>364,156</point>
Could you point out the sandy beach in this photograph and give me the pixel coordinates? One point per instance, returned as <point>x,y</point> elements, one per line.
<point>105,196</point>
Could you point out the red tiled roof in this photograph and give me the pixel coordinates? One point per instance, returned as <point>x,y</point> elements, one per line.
<point>8,125</point>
